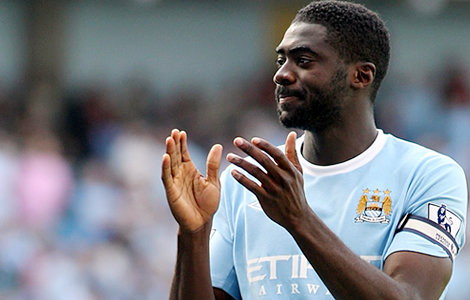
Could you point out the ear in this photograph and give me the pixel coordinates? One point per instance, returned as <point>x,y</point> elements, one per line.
<point>364,75</point>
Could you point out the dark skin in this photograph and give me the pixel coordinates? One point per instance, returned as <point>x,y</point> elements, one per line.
<point>194,199</point>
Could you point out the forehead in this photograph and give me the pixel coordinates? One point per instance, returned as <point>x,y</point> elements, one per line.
<point>302,34</point>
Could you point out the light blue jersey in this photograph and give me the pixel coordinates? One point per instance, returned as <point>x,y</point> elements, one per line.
<point>361,200</point>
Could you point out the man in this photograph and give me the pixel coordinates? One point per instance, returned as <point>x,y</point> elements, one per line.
<point>345,211</point>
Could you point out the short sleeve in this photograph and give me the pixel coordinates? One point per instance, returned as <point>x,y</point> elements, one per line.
<point>223,272</point>
<point>438,195</point>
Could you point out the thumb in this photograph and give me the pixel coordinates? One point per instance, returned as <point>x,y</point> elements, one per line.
<point>213,164</point>
<point>291,152</point>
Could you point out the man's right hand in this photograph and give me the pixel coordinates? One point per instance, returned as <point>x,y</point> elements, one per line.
<point>193,199</point>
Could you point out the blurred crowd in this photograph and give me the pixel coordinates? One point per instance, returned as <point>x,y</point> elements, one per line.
<point>82,209</point>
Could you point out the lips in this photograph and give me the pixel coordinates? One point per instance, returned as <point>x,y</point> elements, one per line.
<point>287,98</point>
<point>285,95</point>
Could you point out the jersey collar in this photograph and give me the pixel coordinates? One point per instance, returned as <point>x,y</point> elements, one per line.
<point>344,167</point>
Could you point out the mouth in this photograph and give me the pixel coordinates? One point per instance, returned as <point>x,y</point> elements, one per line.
<point>287,95</point>
<point>287,98</point>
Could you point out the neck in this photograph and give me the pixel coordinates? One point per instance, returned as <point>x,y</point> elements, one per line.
<point>338,144</point>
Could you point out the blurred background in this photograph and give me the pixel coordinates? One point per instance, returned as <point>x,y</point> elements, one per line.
<point>89,90</point>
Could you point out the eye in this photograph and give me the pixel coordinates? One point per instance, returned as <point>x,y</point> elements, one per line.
<point>280,61</point>
<point>303,60</point>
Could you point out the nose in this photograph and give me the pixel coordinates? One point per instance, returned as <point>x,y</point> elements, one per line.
<point>284,75</point>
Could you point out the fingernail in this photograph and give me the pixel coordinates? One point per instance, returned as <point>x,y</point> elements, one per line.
<point>235,174</point>
<point>238,142</point>
<point>255,140</point>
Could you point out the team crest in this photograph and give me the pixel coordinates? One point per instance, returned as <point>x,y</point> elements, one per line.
<point>374,207</point>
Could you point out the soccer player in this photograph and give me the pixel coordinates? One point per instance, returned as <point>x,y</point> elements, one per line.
<point>345,211</point>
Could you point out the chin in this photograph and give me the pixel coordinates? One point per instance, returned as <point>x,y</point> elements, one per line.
<point>289,123</point>
<point>287,119</point>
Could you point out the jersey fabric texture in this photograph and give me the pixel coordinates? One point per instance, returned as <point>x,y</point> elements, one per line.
<point>361,200</point>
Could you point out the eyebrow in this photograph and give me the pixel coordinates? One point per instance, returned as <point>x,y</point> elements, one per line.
<point>297,49</point>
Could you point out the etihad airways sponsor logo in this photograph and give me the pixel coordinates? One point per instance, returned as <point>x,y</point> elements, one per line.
<point>293,290</point>
<point>268,275</point>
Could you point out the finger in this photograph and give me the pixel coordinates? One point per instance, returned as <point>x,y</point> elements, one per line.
<point>248,183</point>
<point>166,169</point>
<point>250,168</point>
<point>277,155</point>
<point>167,177</point>
<point>171,151</point>
<point>213,164</point>
<point>263,159</point>
<point>176,135</point>
<point>184,147</point>
<point>291,152</point>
